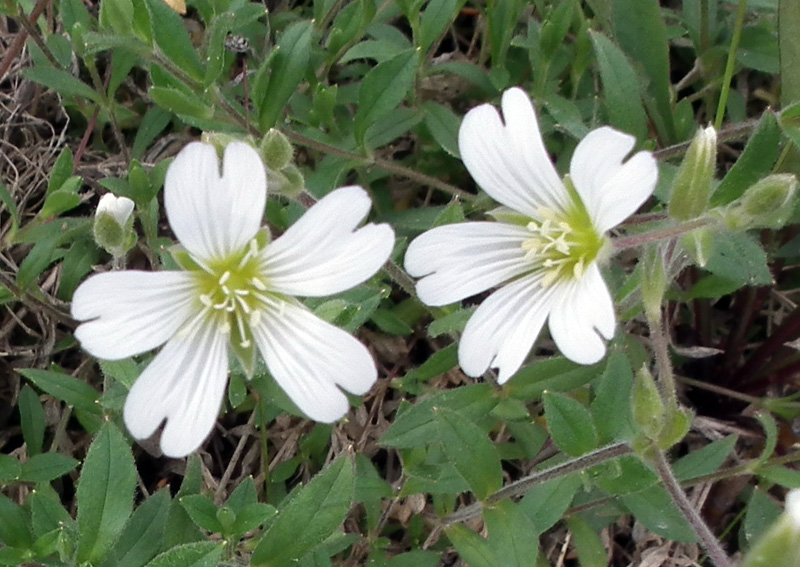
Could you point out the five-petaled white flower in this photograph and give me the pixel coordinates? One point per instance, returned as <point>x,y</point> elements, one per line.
<point>546,247</point>
<point>236,292</point>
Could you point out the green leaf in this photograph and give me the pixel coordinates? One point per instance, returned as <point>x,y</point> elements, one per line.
<point>611,406</point>
<point>754,162</point>
<point>287,67</point>
<point>10,469</point>
<point>435,365</point>
<point>105,493</point>
<point>642,34</point>
<point>555,374</point>
<point>14,524</point>
<point>37,260</point>
<point>510,535</point>
<point>383,88</point>
<point>144,533</point>
<point>59,202</point>
<point>61,82</point>
<point>47,513</point>
<point>621,88</point>
<point>32,419</point>
<point>789,46</point>
<point>172,39</point>
<point>471,452</point>
<point>202,511</point>
<point>452,322</point>
<point>65,388</point>
<point>62,170</point>
<point>153,123</point>
<point>471,547</point>
<point>655,509</point>
<point>590,548</point>
<point>252,516</point>
<point>179,102</point>
<point>704,461</point>
<point>434,20</point>
<point>215,56</point>
<point>416,427</point>
<point>570,424</point>
<point>546,503</point>
<point>308,516</point>
<point>124,371</point>
<point>116,16</point>
<point>762,511</point>
<point>740,258</point>
<point>199,554</point>
<point>180,528</point>
<point>443,124</point>
<point>47,467</point>
<point>11,206</point>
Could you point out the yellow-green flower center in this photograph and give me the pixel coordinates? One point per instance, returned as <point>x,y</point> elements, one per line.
<point>563,244</point>
<point>232,291</point>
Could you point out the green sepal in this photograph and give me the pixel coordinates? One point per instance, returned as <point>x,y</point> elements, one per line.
<point>509,216</point>
<point>648,408</point>
<point>699,244</point>
<point>184,259</point>
<point>691,190</point>
<point>676,425</point>
<point>766,204</point>
<point>276,150</point>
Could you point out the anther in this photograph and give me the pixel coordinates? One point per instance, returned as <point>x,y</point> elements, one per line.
<point>224,278</point>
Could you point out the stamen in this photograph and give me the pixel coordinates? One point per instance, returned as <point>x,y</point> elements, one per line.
<point>224,278</point>
<point>258,284</point>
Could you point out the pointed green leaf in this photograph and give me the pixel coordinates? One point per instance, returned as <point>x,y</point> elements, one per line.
<point>287,67</point>
<point>199,554</point>
<point>510,535</point>
<point>144,533</point>
<point>172,38</point>
<point>32,418</point>
<point>14,524</point>
<point>570,424</point>
<point>61,82</point>
<point>383,88</point>
<point>105,493</point>
<point>310,515</point>
<point>47,467</point>
<point>202,511</point>
<point>471,452</point>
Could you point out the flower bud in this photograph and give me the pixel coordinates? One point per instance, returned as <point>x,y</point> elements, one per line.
<point>288,182</point>
<point>767,204</point>
<point>654,282</point>
<point>648,408</point>
<point>276,150</point>
<point>691,190</point>
<point>780,545</point>
<point>113,225</point>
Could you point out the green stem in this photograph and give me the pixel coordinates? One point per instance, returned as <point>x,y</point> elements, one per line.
<point>707,538</point>
<point>523,485</point>
<point>731,63</point>
<point>667,233</point>
<point>666,378</point>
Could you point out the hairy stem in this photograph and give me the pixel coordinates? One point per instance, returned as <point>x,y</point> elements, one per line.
<point>523,485</point>
<point>707,539</point>
<point>731,63</point>
<point>666,233</point>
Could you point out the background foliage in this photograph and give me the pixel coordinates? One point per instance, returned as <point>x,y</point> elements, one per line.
<point>431,468</point>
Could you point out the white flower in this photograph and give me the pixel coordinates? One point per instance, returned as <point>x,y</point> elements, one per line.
<point>546,247</point>
<point>236,292</point>
<point>119,208</point>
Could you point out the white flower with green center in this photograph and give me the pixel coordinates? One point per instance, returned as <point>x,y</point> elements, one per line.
<point>236,292</point>
<point>545,249</point>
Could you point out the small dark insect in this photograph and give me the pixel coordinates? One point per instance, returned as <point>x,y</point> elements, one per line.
<point>237,43</point>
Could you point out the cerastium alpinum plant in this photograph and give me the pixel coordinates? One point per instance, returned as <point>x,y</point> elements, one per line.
<point>413,283</point>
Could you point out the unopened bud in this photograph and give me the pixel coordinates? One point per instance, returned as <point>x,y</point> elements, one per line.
<point>780,545</point>
<point>276,150</point>
<point>289,182</point>
<point>654,282</point>
<point>767,204</point>
<point>699,244</point>
<point>648,408</point>
<point>691,190</point>
<point>113,225</point>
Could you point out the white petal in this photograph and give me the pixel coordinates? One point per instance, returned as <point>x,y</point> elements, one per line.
<point>507,157</point>
<point>131,312</point>
<point>184,385</point>
<point>215,215</point>
<point>460,260</point>
<point>610,189</point>
<point>323,253</point>
<point>120,208</point>
<point>308,358</point>
<point>582,317</point>
<point>502,331</point>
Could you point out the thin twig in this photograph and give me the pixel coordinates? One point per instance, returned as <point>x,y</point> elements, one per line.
<point>523,485</point>
<point>707,539</point>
